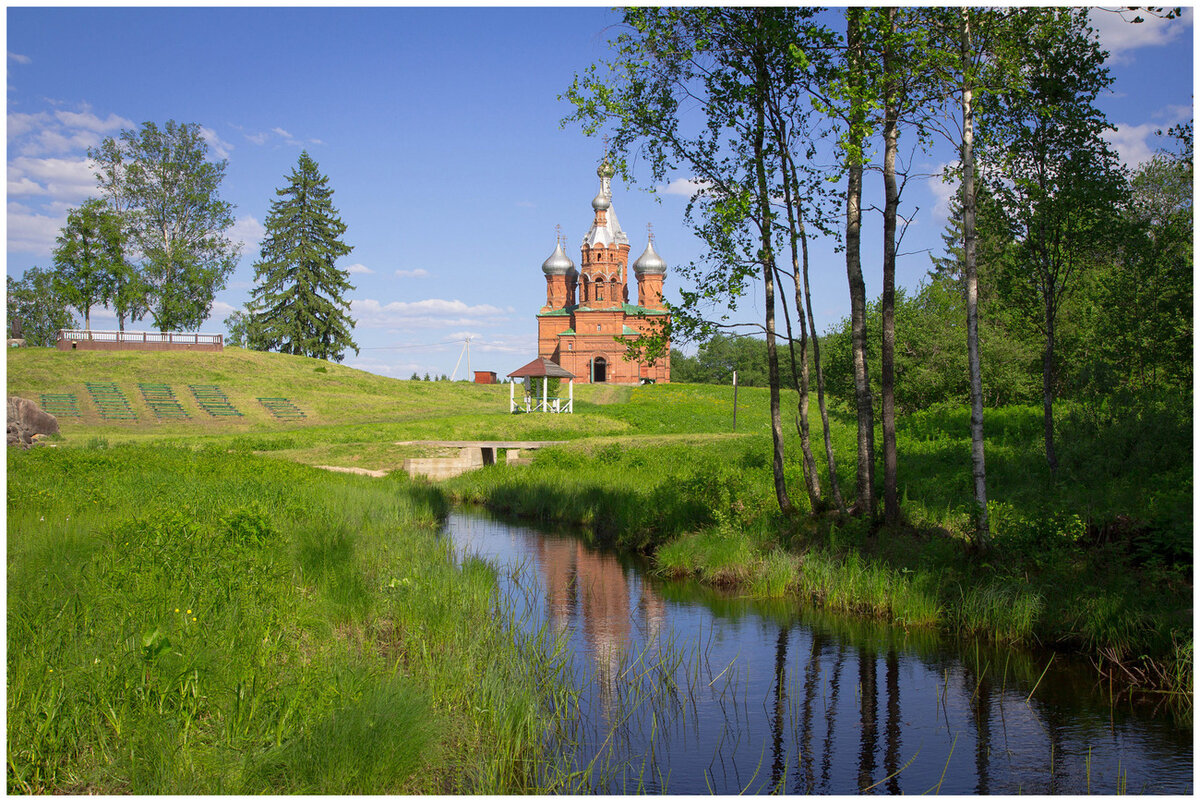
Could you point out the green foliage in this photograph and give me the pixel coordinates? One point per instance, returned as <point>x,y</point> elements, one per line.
<point>299,303</point>
<point>720,355</point>
<point>242,328</point>
<point>1141,339</point>
<point>371,742</point>
<point>36,302</point>
<point>187,621</point>
<point>931,355</point>
<point>162,184</point>
<point>89,262</point>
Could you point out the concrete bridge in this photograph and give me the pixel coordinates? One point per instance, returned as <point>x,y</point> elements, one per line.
<point>472,454</point>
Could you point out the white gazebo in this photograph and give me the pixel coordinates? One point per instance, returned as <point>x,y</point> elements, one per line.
<point>541,368</point>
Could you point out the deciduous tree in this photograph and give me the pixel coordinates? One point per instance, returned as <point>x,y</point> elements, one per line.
<point>1056,177</point>
<point>35,301</point>
<point>723,65</point>
<point>168,191</point>
<point>90,257</point>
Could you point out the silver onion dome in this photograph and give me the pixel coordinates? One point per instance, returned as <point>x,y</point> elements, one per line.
<point>650,263</point>
<point>606,170</point>
<point>601,201</point>
<point>559,264</point>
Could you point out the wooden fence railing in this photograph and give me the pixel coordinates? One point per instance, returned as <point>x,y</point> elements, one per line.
<point>173,337</point>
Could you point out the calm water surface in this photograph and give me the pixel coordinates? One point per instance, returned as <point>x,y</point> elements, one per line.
<point>687,690</point>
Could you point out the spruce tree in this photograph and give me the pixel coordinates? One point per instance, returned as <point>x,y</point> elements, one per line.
<point>299,301</point>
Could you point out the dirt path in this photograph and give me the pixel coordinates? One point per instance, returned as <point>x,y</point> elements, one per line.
<point>363,471</point>
<point>609,394</point>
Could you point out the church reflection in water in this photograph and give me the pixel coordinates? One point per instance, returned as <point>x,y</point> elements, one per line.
<point>690,691</point>
<point>593,589</point>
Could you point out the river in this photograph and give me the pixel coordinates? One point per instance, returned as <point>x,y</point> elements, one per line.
<point>685,689</point>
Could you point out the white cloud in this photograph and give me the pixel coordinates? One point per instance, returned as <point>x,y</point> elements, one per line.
<point>357,269</point>
<point>277,133</point>
<point>1118,35</point>
<point>396,370</point>
<point>420,272</point>
<point>101,314</point>
<point>65,179</point>
<point>221,310</point>
<point>20,124</point>
<point>430,313</point>
<point>248,231</point>
<point>687,187</point>
<point>25,186</point>
<point>31,232</point>
<point>17,57</point>
<point>1132,142</point>
<point>90,122</point>
<point>221,149</point>
<point>521,344</point>
<point>943,191</point>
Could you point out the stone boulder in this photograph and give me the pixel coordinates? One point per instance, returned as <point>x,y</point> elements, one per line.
<point>27,421</point>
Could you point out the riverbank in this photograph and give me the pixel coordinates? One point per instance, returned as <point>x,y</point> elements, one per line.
<point>1080,562</point>
<point>185,621</point>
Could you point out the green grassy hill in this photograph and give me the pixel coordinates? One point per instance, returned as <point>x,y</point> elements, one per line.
<point>326,392</point>
<point>344,405</point>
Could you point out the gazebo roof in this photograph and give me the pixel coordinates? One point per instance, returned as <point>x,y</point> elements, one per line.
<point>542,367</point>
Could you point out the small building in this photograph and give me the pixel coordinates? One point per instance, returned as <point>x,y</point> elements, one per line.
<point>544,369</point>
<point>485,377</point>
<point>588,309</point>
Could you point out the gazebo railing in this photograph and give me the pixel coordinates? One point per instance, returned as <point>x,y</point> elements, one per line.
<point>535,403</point>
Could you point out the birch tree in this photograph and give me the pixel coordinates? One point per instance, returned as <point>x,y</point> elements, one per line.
<point>162,183</point>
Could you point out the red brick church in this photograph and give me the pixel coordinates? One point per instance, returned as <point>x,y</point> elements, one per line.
<point>579,334</point>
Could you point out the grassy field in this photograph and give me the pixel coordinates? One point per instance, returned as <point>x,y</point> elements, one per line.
<point>182,620</point>
<point>194,609</point>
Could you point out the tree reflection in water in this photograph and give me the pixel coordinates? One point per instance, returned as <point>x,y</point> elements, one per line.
<point>686,689</point>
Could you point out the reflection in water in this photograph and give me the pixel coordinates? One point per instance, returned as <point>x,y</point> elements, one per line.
<point>688,690</point>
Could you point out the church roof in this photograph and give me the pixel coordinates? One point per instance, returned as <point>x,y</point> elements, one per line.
<point>610,233</point>
<point>559,264</point>
<point>650,263</point>
<point>634,309</point>
<point>542,367</point>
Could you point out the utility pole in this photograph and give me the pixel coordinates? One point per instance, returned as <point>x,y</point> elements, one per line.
<point>466,350</point>
<point>735,400</point>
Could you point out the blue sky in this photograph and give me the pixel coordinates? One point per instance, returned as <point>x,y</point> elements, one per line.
<point>439,130</point>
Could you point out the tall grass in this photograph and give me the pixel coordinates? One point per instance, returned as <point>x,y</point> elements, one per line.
<point>705,508</point>
<point>195,621</point>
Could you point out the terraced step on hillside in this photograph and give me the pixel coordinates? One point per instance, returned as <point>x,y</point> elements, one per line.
<point>111,402</point>
<point>162,401</point>
<point>60,404</point>
<point>213,400</point>
<point>282,408</point>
